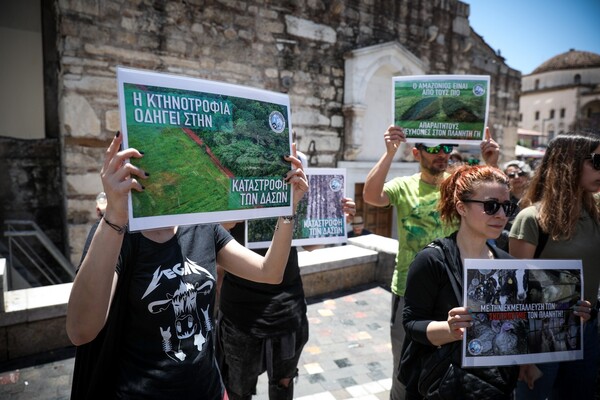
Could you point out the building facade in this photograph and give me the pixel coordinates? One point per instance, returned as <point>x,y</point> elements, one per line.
<point>561,95</point>
<point>334,58</point>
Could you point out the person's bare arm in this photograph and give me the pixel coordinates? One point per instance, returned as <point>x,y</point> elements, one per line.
<point>373,190</point>
<point>247,264</point>
<point>94,284</point>
<point>519,248</point>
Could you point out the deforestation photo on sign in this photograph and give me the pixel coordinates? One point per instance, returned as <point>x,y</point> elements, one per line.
<point>522,311</point>
<point>214,151</point>
<point>441,108</point>
<point>319,215</point>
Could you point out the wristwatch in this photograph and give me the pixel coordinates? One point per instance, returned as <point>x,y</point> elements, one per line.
<point>288,219</point>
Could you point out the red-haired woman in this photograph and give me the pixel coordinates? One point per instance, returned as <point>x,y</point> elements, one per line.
<point>477,198</point>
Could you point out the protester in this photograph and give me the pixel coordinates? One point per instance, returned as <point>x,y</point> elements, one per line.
<point>140,309</point>
<point>415,198</point>
<point>456,159</point>
<point>519,173</point>
<point>263,327</point>
<point>561,220</point>
<point>358,227</point>
<point>477,198</point>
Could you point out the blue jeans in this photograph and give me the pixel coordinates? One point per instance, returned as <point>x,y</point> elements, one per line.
<point>245,357</point>
<point>569,379</point>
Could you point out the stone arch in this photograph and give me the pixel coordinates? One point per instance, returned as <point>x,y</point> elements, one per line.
<point>368,96</point>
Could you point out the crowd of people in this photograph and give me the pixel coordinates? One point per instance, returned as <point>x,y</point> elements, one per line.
<point>560,201</point>
<point>449,211</point>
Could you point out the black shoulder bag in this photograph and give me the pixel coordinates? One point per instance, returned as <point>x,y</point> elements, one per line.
<point>442,376</point>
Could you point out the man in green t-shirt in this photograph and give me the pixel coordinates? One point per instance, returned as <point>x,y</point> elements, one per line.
<point>415,198</point>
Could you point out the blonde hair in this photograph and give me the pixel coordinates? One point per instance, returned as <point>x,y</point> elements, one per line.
<point>556,189</point>
<point>461,185</point>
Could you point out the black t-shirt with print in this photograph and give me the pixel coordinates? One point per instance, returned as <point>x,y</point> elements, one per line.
<point>169,351</point>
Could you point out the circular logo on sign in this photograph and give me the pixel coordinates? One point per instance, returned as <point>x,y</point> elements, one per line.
<point>277,122</point>
<point>478,90</point>
<point>335,184</point>
<point>475,347</point>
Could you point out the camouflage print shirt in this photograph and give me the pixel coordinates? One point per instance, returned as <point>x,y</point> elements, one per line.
<point>418,221</point>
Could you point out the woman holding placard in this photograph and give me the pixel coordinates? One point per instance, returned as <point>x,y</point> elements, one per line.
<point>477,198</point>
<point>141,307</point>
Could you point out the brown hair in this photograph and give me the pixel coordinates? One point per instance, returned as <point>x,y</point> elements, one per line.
<point>461,185</point>
<point>555,187</point>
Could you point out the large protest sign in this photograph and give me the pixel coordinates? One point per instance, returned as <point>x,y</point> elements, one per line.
<point>522,311</point>
<point>214,151</point>
<point>435,109</point>
<point>319,215</point>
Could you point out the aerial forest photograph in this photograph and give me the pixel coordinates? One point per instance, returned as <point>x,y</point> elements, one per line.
<point>459,102</point>
<point>191,166</point>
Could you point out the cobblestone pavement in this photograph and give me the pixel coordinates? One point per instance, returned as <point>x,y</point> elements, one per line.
<point>348,355</point>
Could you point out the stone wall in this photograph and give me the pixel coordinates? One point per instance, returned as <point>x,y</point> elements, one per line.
<point>31,185</point>
<point>296,47</point>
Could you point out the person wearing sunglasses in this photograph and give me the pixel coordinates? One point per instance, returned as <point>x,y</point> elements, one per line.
<point>595,160</point>
<point>456,159</point>
<point>476,200</point>
<point>518,173</point>
<point>415,199</point>
<point>560,219</point>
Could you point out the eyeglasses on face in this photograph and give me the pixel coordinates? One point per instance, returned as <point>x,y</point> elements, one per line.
<point>595,157</point>
<point>515,174</point>
<point>446,148</point>
<point>491,207</point>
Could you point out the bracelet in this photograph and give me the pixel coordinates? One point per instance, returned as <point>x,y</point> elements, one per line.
<point>120,229</point>
<point>288,219</point>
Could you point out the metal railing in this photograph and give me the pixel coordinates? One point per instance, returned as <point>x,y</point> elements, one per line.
<point>29,260</point>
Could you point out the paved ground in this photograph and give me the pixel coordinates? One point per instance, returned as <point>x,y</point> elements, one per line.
<point>348,355</point>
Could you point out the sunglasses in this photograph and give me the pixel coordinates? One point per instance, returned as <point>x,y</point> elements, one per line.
<point>446,148</point>
<point>491,207</point>
<point>515,174</point>
<point>595,157</point>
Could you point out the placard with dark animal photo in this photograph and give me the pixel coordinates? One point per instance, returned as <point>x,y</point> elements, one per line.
<point>214,151</point>
<point>522,311</point>
<point>442,109</point>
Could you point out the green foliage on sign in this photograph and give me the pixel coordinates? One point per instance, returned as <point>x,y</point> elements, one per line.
<point>183,179</point>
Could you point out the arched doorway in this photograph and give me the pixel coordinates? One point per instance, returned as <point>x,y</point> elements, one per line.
<point>368,112</point>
